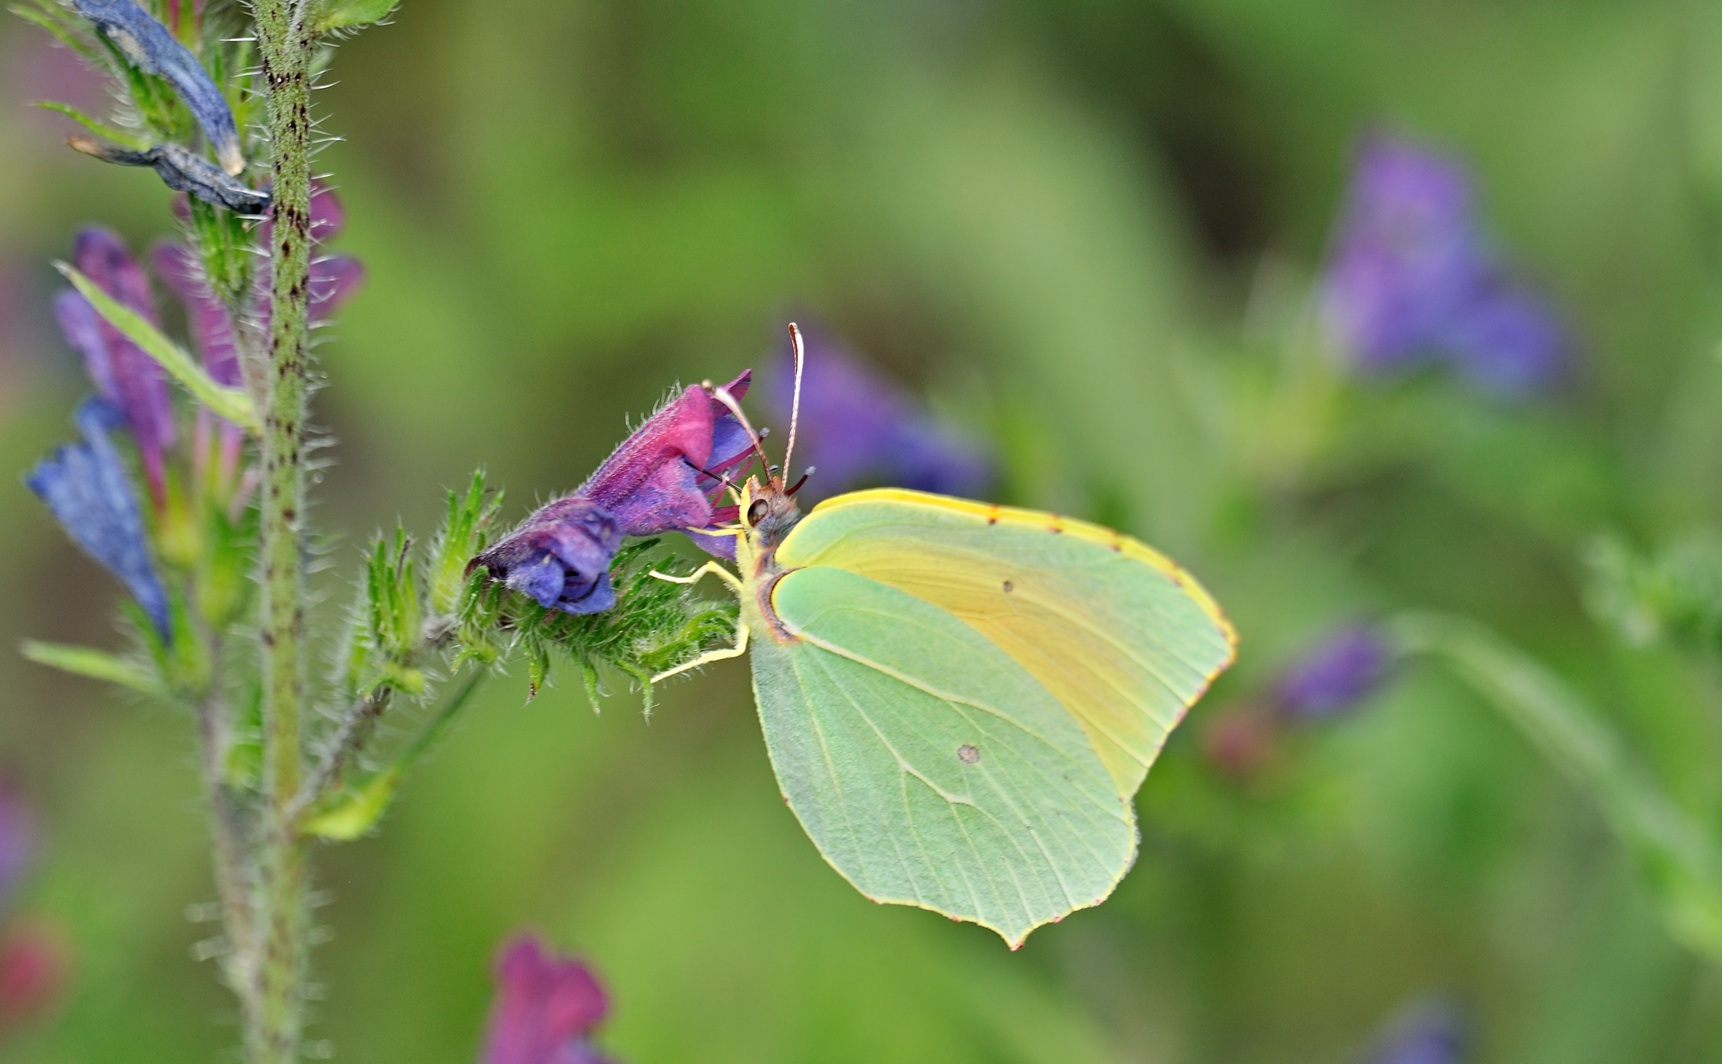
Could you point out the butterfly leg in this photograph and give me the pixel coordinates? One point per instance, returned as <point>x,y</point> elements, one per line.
<point>729,578</point>
<point>710,656</point>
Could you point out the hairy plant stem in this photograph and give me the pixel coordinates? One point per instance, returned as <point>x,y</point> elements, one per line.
<point>227,832</point>
<point>274,1016</point>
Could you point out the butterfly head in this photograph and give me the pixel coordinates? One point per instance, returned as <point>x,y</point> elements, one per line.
<point>768,509</point>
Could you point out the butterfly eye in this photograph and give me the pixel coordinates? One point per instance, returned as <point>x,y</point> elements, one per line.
<point>756,511</point>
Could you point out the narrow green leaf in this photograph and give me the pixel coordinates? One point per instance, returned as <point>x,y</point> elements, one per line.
<point>1679,856</point>
<point>99,128</point>
<point>50,21</point>
<point>231,403</point>
<point>95,664</point>
<point>359,812</point>
<point>351,14</point>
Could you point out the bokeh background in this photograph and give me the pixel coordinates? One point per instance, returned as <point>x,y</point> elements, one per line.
<point>1088,233</point>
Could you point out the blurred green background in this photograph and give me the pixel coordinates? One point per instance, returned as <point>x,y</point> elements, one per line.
<point>1086,230</point>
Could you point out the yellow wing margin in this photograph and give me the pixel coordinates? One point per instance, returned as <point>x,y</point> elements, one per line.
<point>1121,636</point>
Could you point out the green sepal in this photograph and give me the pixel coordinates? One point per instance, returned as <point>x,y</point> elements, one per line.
<point>350,14</point>
<point>353,813</point>
<point>96,126</point>
<point>96,665</point>
<point>234,404</point>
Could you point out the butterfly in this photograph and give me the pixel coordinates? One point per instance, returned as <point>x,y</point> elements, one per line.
<point>960,700</point>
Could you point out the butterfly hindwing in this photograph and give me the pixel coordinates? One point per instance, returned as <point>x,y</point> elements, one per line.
<point>928,766</point>
<point>1120,636</point>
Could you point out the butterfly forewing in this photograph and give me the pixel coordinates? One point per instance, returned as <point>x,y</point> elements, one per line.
<point>929,767</point>
<point>1120,637</point>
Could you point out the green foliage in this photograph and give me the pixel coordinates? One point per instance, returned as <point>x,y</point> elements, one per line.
<point>655,625</point>
<point>95,665</point>
<point>101,129</point>
<point>1679,856</point>
<point>1671,595</point>
<point>349,14</point>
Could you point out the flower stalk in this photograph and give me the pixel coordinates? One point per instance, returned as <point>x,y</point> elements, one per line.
<point>274,1017</point>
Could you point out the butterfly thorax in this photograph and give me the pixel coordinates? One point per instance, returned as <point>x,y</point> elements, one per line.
<point>767,515</point>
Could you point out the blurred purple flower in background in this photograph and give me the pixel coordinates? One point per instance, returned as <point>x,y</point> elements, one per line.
<point>546,1008</point>
<point>860,430</point>
<point>86,486</point>
<point>124,375</point>
<point>1344,669</point>
<point>1412,279</point>
<point>1429,1032</point>
<point>17,840</point>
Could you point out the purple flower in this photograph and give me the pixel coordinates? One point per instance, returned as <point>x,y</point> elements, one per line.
<point>333,277</point>
<point>1432,1032</point>
<point>1344,669</point>
<point>122,372</point>
<point>17,839</point>
<point>1411,278</point>
<point>560,556</point>
<point>86,487</point>
<point>545,1010</point>
<point>657,480</point>
<point>859,429</point>
<point>154,49</point>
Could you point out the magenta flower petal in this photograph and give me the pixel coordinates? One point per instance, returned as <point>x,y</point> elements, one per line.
<point>210,323</point>
<point>654,481</point>
<point>333,279</point>
<point>125,375</point>
<point>545,1010</point>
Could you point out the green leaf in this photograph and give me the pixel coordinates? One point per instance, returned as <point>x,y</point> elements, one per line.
<point>101,129</point>
<point>358,811</point>
<point>95,664</point>
<point>1681,860</point>
<point>350,14</point>
<point>231,403</point>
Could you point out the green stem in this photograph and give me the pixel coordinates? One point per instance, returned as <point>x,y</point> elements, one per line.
<point>227,845</point>
<point>274,1022</point>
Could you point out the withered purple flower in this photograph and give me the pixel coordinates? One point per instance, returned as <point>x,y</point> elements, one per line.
<point>183,171</point>
<point>155,50</point>
<point>546,1008</point>
<point>86,487</point>
<point>122,372</point>
<point>1411,278</point>
<point>1344,669</point>
<point>858,429</point>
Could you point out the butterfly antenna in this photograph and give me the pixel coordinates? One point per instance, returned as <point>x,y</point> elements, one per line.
<point>795,401</point>
<point>722,395</point>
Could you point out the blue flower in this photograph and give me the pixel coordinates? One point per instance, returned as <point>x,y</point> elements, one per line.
<point>155,50</point>
<point>1411,279</point>
<point>85,485</point>
<point>859,429</point>
<point>1432,1032</point>
<point>560,556</point>
<point>1343,670</point>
